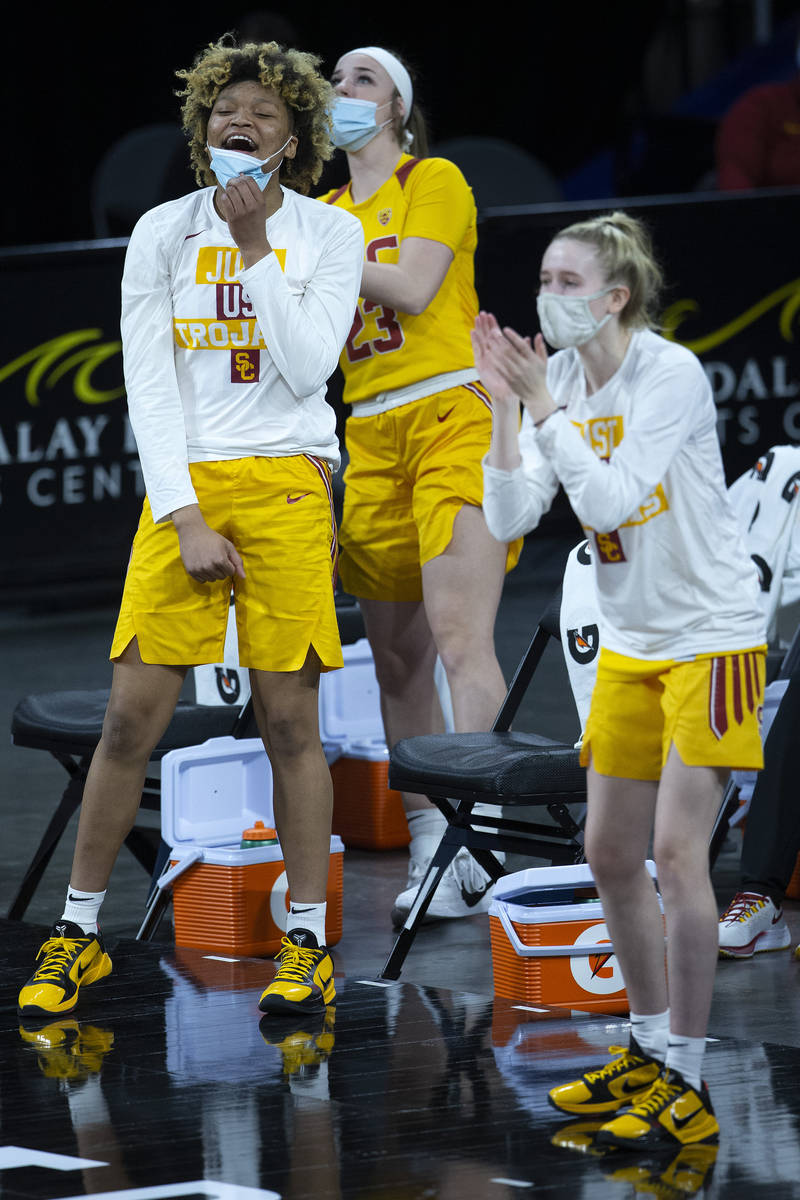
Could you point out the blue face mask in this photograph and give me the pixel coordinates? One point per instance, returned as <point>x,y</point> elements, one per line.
<point>228,164</point>
<point>353,122</point>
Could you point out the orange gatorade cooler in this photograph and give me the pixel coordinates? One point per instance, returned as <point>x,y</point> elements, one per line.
<point>225,897</point>
<point>366,812</point>
<point>550,944</point>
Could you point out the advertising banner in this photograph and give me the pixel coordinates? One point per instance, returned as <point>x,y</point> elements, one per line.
<point>70,481</point>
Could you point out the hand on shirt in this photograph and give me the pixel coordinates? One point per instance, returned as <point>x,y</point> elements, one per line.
<point>206,554</point>
<point>244,206</point>
<point>511,367</point>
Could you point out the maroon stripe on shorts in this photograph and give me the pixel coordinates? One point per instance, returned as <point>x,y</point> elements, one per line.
<point>736,673</point>
<point>324,472</point>
<point>476,391</point>
<point>717,712</point>
<point>749,682</point>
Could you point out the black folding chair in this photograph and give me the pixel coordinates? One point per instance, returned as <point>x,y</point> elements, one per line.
<point>69,724</point>
<point>501,768</point>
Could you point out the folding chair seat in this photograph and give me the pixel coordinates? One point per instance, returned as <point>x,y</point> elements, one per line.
<point>68,724</point>
<point>497,770</point>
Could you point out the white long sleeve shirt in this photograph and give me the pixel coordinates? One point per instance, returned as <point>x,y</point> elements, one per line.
<point>640,462</point>
<point>222,362</point>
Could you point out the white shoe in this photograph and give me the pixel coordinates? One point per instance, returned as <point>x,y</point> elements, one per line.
<point>464,889</point>
<point>750,924</point>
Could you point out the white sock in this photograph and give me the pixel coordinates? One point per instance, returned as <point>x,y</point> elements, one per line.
<point>307,915</point>
<point>651,1031</point>
<point>426,826</point>
<point>685,1054</point>
<point>82,908</point>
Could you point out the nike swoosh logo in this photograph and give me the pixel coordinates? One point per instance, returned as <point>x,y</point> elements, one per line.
<point>627,1087</point>
<point>679,1122</point>
<point>79,899</point>
<point>473,898</point>
<point>446,415</point>
<point>294,499</point>
<point>296,911</point>
<point>193,235</point>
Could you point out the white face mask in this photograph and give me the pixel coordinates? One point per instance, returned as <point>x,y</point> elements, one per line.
<point>228,164</point>
<point>568,320</point>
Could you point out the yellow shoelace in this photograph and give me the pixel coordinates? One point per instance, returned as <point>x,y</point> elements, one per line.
<point>296,961</point>
<point>613,1068</point>
<point>57,953</point>
<point>658,1097</point>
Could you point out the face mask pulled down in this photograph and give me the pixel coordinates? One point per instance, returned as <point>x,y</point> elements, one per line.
<point>568,320</point>
<point>228,164</point>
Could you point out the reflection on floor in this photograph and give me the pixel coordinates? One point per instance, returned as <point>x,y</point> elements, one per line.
<point>167,1078</point>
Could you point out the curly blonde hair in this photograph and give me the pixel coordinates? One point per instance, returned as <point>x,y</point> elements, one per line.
<point>292,74</point>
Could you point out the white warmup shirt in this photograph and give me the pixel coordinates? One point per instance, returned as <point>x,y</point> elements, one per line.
<point>640,462</point>
<point>222,362</point>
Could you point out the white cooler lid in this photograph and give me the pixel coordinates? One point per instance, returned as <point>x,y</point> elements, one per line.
<point>211,793</point>
<point>349,700</point>
<point>550,879</point>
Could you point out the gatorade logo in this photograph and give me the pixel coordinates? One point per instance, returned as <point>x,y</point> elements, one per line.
<point>279,901</point>
<point>228,684</point>
<point>583,644</point>
<point>597,974</point>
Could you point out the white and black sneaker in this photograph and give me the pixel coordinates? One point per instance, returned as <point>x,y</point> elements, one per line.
<point>464,889</point>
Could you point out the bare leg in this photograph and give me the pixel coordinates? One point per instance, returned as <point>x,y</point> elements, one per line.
<point>286,709</point>
<point>142,701</point>
<point>619,820</point>
<point>688,802</point>
<point>405,656</point>
<point>461,590</point>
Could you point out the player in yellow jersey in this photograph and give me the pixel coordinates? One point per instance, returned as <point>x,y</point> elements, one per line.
<point>236,300</point>
<point>415,547</point>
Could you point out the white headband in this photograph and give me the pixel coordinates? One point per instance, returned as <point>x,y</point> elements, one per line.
<point>396,72</point>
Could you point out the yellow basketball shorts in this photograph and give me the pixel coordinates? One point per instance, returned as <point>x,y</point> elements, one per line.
<point>278,512</point>
<point>710,708</point>
<point>411,470</point>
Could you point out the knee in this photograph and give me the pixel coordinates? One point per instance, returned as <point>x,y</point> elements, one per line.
<point>681,869</point>
<point>397,668</point>
<point>128,736</point>
<point>288,738</point>
<point>609,864</point>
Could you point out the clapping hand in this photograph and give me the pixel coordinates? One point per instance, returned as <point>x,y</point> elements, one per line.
<point>511,366</point>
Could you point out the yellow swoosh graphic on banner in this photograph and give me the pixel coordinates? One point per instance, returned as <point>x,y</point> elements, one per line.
<point>50,361</point>
<point>788,295</point>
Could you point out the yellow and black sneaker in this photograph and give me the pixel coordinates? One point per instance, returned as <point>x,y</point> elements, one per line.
<point>621,1082</point>
<point>581,1138</point>
<point>671,1111</point>
<point>305,1043</point>
<point>304,979</point>
<point>691,1169</point>
<point>67,1050</point>
<point>68,960</point>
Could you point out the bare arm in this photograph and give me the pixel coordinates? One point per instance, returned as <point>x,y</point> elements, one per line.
<point>410,284</point>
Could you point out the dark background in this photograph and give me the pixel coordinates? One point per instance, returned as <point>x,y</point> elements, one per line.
<point>565,81</point>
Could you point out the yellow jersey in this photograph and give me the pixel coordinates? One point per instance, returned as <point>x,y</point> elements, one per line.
<point>386,349</point>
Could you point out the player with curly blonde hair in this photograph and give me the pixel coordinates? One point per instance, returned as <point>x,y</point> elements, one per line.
<point>236,301</point>
<point>291,74</point>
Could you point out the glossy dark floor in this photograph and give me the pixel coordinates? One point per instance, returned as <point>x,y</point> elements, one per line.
<point>164,1083</point>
